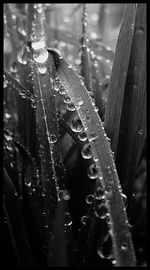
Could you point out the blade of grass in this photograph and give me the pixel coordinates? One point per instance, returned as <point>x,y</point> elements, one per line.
<point>57,246</point>
<point>17,86</point>
<point>105,163</point>
<point>51,165</point>
<point>118,76</point>
<point>133,118</point>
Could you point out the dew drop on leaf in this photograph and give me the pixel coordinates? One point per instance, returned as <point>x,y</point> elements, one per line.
<point>28,184</point>
<point>41,56</point>
<point>62,90</point>
<point>124,247</point>
<point>76,125</point>
<point>79,101</point>
<point>92,171</point>
<point>40,44</point>
<point>84,220</point>
<point>68,220</point>
<point>52,138</point>
<point>82,136</point>
<point>92,136</point>
<point>43,194</point>
<point>67,99</point>
<point>141,132</point>
<point>104,247</point>
<point>71,107</point>
<point>56,85</point>
<point>99,194</point>
<point>42,69</point>
<point>89,199</point>
<point>124,197</point>
<point>86,151</point>
<point>14,68</point>
<point>64,194</point>
<point>5,83</point>
<point>113,261</point>
<point>101,211</point>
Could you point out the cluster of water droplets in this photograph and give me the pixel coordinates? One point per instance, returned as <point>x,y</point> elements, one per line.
<point>24,93</point>
<point>40,54</point>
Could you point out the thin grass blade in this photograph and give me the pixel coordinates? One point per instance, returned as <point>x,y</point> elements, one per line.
<point>105,163</point>
<point>119,75</point>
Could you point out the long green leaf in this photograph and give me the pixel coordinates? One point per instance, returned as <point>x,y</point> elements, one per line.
<point>133,119</point>
<point>118,76</point>
<point>122,243</point>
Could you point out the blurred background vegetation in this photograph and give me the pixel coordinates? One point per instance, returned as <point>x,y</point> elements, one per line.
<point>104,22</point>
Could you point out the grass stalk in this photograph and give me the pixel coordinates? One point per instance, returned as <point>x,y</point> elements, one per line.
<point>133,118</point>
<point>118,76</point>
<point>105,163</point>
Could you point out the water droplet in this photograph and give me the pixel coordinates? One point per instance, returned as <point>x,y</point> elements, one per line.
<point>104,247</point>
<point>5,220</point>
<point>40,44</point>
<point>8,138</point>
<point>71,107</point>
<point>70,66</point>
<point>86,151</point>
<point>68,220</point>
<point>5,83</point>
<point>41,56</point>
<point>67,99</point>
<point>140,30</point>
<point>124,247</point>
<point>100,193</point>
<point>52,138</point>
<point>92,171</point>
<point>132,26</point>
<point>56,85</point>
<point>113,261</point>
<point>33,104</point>
<point>62,90</point>
<point>93,136</point>
<point>141,132</point>
<point>42,69</point>
<point>14,68</point>
<point>64,194</point>
<point>76,125</point>
<point>124,197</point>
<point>95,158</point>
<point>89,199</point>
<point>79,101</point>
<point>84,220</point>
<point>82,136</point>
<point>16,194</point>
<point>7,115</point>
<point>101,211</point>
<point>28,184</point>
